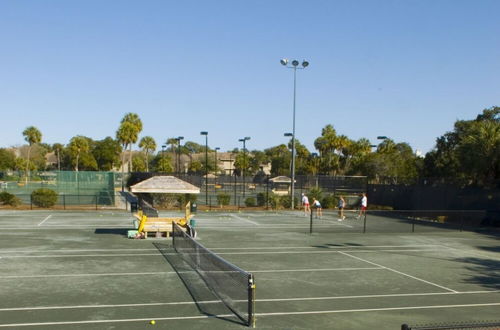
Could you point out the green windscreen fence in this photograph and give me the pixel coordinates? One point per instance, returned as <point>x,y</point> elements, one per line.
<point>75,185</point>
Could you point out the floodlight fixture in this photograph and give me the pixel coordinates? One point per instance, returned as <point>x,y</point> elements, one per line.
<point>284,61</point>
<point>295,63</point>
<point>288,134</point>
<point>305,64</point>
<point>381,137</point>
<point>204,133</point>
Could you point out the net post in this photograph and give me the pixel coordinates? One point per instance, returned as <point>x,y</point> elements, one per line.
<point>173,234</point>
<point>364,223</point>
<point>31,202</point>
<point>251,301</point>
<point>95,201</point>
<point>64,202</point>
<point>405,327</point>
<point>311,222</point>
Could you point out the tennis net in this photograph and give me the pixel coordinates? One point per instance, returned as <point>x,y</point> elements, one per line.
<point>232,285</point>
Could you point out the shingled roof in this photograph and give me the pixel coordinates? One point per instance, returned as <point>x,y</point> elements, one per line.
<point>164,185</point>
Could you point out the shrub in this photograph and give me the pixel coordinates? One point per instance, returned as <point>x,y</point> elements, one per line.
<point>261,199</point>
<point>223,199</point>
<point>182,199</point>
<point>250,202</point>
<point>329,202</point>
<point>274,201</point>
<point>44,197</point>
<point>9,199</point>
<point>286,202</point>
<point>315,193</point>
<point>164,200</point>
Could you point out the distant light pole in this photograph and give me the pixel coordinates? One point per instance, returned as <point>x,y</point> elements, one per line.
<point>294,66</point>
<point>244,160</point>
<point>206,165</point>
<point>215,170</point>
<point>178,139</point>
<point>163,155</point>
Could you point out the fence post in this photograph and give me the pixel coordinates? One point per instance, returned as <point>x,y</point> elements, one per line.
<point>461,220</point>
<point>267,193</point>
<point>235,199</point>
<point>311,222</point>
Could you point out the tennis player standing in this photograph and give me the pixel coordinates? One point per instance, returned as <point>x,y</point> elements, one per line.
<point>305,204</point>
<point>364,205</point>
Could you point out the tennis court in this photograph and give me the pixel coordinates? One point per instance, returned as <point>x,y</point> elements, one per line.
<point>75,269</point>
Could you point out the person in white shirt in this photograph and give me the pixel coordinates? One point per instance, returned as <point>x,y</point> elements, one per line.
<point>341,207</point>
<point>305,204</point>
<point>364,205</point>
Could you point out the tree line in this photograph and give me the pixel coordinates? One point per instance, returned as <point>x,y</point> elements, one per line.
<point>469,153</point>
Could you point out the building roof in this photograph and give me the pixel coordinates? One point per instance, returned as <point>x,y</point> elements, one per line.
<point>281,179</point>
<point>164,185</point>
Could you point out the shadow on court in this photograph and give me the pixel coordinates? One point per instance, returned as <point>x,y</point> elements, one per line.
<point>112,231</point>
<point>206,301</point>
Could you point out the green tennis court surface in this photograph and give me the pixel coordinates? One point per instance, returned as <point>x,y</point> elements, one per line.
<point>76,270</point>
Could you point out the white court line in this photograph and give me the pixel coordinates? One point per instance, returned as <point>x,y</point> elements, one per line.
<point>257,300</point>
<point>377,309</point>
<point>173,272</point>
<point>398,272</point>
<point>240,218</point>
<point>50,227</point>
<point>223,253</point>
<point>239,248</point>
<point>256,314</point>
<point>47,218</point>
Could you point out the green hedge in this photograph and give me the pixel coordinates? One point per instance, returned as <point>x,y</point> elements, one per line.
<point>250,202</point>
<point>223,199</point>
<point>9,199</point>
<point>44,197</point>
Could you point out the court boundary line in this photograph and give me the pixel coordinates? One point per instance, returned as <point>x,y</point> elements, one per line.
<point>257,300</point>
<point>398,272</point>
<point>256,314</point>
<point>234,216</point>
<point>47,218</point>
<point>242,248</point>
<point>223,253</point>
<point>304,270</point>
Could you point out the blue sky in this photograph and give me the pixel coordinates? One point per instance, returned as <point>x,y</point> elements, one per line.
<point>404,69</point>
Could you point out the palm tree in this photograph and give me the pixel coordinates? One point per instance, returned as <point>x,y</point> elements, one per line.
<point>58,149</point>
<point>132,126</point>
<point>124,136</point>
<point>148,144</point>
<point>32,135</point>
<point>77,145</point>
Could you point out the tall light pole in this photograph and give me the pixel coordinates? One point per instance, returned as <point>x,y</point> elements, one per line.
<point>246,138</point>
<point>291,136</point>
<point>294,66</point>
<point>178,161</point>
<point>206,165</point>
